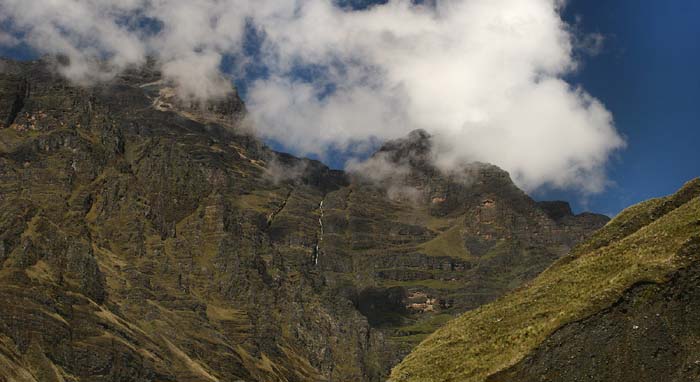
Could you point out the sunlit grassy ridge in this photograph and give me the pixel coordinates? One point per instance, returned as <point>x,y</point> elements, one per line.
<point>641,244</point>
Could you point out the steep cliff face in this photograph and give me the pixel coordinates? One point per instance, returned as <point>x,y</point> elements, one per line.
<point>144,238</point>
<point>138,244</point>
<point>622,306</point>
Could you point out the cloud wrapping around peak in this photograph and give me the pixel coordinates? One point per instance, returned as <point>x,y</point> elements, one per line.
<point>484,77</point>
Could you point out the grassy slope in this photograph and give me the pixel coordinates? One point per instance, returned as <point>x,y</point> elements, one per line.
<point>447,244</point>
<point>639,245</point>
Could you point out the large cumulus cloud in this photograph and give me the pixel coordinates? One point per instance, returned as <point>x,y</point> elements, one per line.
<point>485,77</point>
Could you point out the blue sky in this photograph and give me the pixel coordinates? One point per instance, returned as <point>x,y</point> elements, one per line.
<point>646,75</point>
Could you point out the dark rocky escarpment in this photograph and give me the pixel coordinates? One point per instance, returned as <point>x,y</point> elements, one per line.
<point>143,238</point>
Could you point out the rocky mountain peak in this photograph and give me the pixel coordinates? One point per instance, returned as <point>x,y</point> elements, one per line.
<point>415,153</point>
<point>416,148</point>
<point>556,209</point>
<point>406,167</point>
<point>156,240</point>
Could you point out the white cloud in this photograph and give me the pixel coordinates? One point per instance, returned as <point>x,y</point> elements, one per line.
<point>485,77</point>
<point>7,39</point>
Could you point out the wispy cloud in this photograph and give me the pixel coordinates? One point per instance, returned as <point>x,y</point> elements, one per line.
<point>7,39</point>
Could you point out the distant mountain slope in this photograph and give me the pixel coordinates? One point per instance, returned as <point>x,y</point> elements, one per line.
<point>623,306</point>
<point>144,238</point>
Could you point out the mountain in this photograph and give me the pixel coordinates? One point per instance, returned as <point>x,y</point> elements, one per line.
<point>622,306</point>
<point>144,237</point>
<point>428,245</point>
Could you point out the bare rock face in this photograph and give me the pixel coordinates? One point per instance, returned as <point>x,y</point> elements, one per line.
<point>144,238</point>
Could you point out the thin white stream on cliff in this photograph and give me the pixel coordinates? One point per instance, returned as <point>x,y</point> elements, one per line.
<point>320,237</point>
